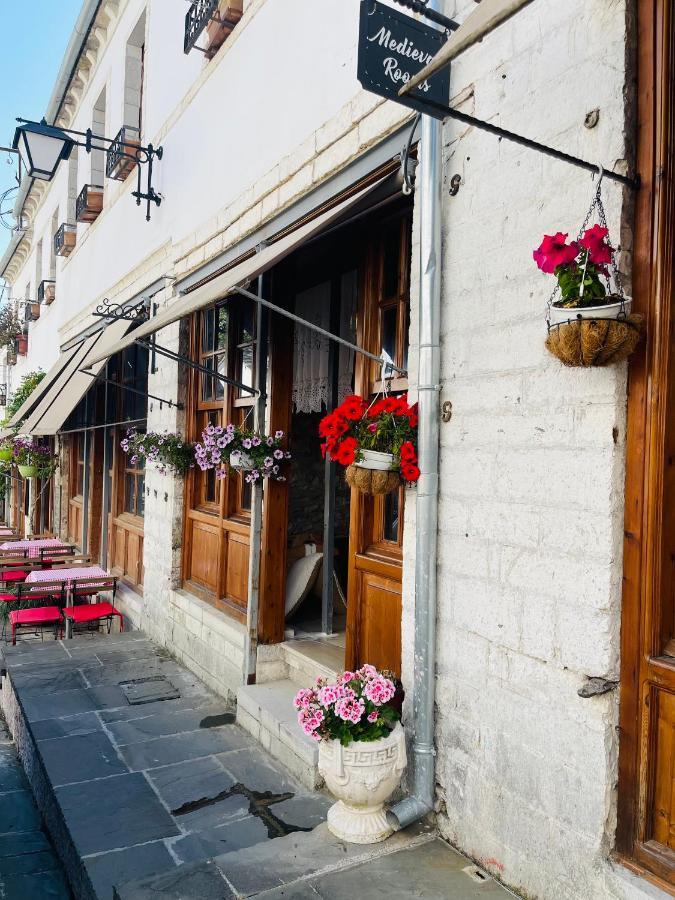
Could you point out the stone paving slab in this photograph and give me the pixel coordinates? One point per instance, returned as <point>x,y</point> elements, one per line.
<point>130,791</point>
<point>29,868</point>
<point>317,866</point>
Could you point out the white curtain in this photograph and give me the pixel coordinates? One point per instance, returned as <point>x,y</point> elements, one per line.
<point>310,350</point>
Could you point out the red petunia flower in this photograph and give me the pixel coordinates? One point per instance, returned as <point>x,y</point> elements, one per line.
<point>595,241</point>
<point>352,407</point>
<point>332,425</point>
<point>554,252</point>
<point>410,472</point>
<point>408,452</point>
<point>346,452</point>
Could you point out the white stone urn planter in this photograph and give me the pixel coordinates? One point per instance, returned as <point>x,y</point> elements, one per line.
<point>241,460</point>
<point>375,459</point>
<point>363,776</point>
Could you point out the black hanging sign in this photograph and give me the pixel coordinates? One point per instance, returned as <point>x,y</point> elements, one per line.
<point>392,48</point>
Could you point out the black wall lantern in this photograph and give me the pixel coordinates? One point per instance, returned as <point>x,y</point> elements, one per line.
<point>42,147</point>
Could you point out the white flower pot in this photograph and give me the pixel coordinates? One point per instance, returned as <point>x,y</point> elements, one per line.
<point>374,459</point>
<point>608,311</point>
<point>362,776</point>
<point>241,460</point>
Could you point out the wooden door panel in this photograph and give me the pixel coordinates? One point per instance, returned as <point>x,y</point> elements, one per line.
<point>663,807</point>
<point>236,578</point>
<point>378,624</point>
<point>204,565</point>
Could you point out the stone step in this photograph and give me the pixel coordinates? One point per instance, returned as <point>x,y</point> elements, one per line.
<point>266,711</point>
<point>308,660</point>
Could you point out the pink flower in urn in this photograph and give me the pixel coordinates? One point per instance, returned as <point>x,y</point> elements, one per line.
<point>350,710</point>
<point>304,698</point>
<point>380,690</point>
<point>373,717</point>
<point>347,677</point>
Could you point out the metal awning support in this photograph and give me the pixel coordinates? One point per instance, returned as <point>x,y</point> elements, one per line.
<point>502,133</point>
<point>319,330</point>
<point>176,357</point>
<point>125,387</point>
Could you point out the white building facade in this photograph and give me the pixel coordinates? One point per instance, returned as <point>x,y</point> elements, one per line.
<point>269,131</point>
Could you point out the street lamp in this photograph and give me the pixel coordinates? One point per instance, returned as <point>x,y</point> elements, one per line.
<point>42,147</point>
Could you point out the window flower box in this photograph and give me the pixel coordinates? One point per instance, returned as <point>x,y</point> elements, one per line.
<point>221,26</point>
<point>47,292</point>
<point>65,240</point>
<point>89,203</point>
<point>121,155</point>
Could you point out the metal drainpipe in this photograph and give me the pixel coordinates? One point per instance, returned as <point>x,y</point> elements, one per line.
<point>420,799</point>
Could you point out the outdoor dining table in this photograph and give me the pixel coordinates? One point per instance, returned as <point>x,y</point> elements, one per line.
<point>68,575</point>
<point>33,547</point>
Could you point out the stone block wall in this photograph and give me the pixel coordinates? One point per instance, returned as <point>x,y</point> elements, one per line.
<point>532,467</point>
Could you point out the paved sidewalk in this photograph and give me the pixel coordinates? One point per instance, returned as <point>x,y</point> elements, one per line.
<point>29,869</point>
<point>130,783</point>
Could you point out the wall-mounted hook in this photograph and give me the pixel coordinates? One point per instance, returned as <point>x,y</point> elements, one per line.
<point>446,411</point>
<point>455,182</point>
<point>166,496</point>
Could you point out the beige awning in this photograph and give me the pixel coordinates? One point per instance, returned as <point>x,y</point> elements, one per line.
<point>477,24</point>
<point>71,385</point>
<point>239,275</point>
<point>34,398</point>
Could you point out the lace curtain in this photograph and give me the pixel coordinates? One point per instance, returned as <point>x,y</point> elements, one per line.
<point>310,350</point>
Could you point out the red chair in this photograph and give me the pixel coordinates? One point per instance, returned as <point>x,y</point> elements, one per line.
<point>85,613</point>
<point>12,565</point>
<point>34,617</point>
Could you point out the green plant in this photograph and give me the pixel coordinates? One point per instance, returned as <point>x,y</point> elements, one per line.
<point>29,453</point>
<point>578,266</point>
<point>22,393</point>
<point>168,450</point>
<point>10,326</point>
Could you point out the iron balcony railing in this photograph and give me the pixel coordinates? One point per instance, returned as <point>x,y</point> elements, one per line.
<point>89,203</point>
<point>121,154</point>
<point>64,239</point>
<point>46,291</point>
<point>196,19</point>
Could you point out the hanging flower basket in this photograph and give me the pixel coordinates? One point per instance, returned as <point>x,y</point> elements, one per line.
<point>167,451</point>
<point>34,460</point>
<point>376,443</point>
<point>6,450</point>
<point>589,324</point>
<point>28,471</point>
<point>259,455</point>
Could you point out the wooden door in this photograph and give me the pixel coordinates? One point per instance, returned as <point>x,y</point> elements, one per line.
<point>646,825</point>
<point>126,515</point>
<point>76,458</point>
<point>217,511</point>
<point>376,523</point>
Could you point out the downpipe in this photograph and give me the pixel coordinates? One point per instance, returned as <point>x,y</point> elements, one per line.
<point>422,782</point>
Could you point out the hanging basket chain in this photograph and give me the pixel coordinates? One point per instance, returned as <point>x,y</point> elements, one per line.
<point>596,203</point>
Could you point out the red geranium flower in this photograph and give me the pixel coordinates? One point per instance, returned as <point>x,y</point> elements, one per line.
<point>554,252</point>
<point>412,416</point>
<point>332,425</point>
<point>595,241</point>
<point>408,452</point>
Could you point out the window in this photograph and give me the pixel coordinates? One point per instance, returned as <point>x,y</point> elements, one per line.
<point>134,485</point>
<point>393,300</point>
<point>77,465</point>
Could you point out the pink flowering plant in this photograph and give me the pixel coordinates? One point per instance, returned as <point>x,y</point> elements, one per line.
<point>261,455</point>
<point>167,450</point>
<point>358,707</point>
<point>578,266</point>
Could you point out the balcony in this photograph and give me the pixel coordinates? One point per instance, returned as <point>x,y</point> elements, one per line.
<point>31,312</point>
<point>89,203</point>
<point>47,291</point>
<point>121,155</point>
<point>218,17</point>
<point>64,240</point>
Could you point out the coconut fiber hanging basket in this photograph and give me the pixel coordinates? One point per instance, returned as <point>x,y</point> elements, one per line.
<point>595,342</point>
<point>372,481</point>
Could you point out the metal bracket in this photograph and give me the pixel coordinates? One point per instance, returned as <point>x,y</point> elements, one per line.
<point>113,312</point>
<point>125,387</point>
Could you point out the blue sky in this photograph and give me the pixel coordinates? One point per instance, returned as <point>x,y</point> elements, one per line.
<point>35,36</point>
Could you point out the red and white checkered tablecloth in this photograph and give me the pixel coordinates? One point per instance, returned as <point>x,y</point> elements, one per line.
<point>33,547</point>
<point>68,575</point>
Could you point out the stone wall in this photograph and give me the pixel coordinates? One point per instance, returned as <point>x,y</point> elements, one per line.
<point>532,467</point>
